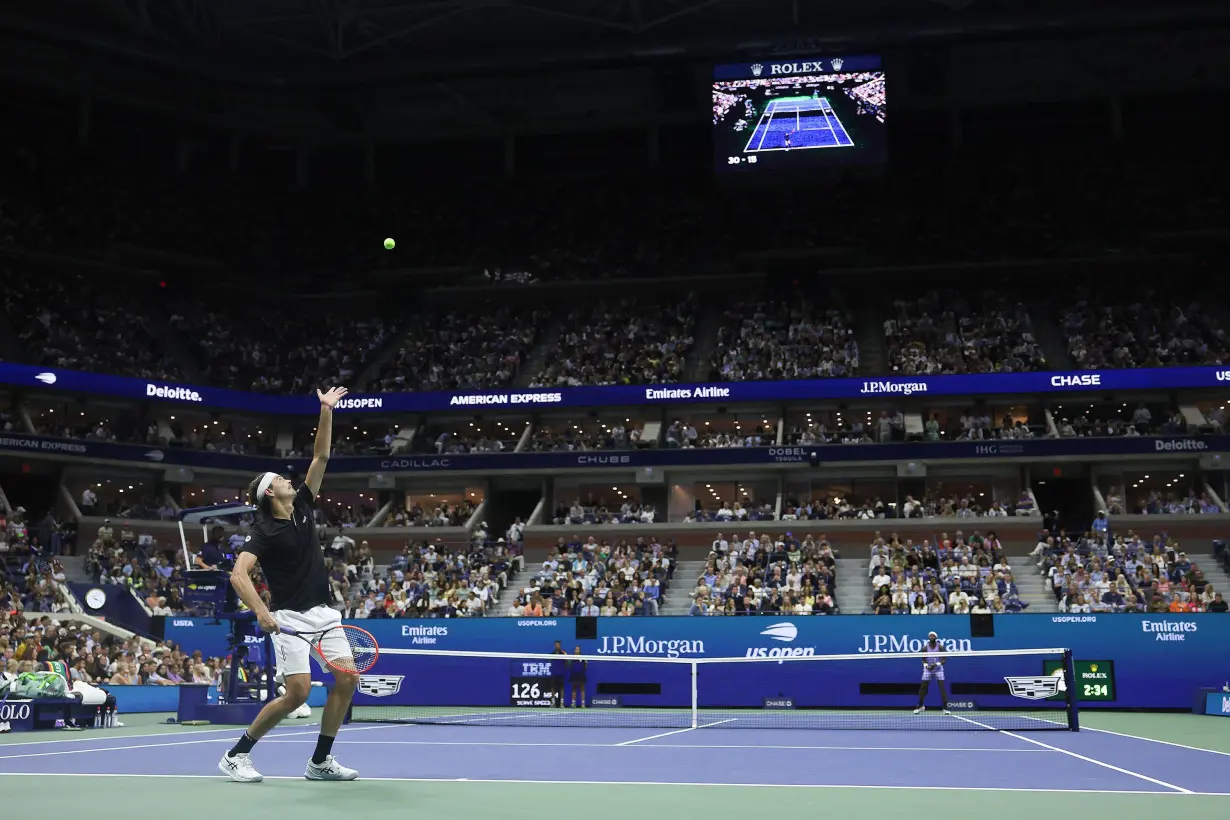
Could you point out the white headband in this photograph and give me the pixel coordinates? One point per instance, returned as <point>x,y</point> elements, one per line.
<point>266,480</point>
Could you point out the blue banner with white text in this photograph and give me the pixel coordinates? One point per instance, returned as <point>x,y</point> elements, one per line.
<point>212,636</point>
<point>1159,660</point>
<point>591,459</point>
<point>887,387</point>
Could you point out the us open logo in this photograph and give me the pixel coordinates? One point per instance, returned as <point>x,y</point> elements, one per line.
<point>785,632</point>
<point>380,686</point>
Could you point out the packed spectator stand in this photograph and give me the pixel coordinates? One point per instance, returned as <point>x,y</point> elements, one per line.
<point>782,340</point>
<point>947,332</point>
<point>1106,572</point>
<point>73,323</point>
<point>763,575</point>
<point>950,575</point>
<point>634,341</point>
<point>1149,329</point>
<point>475,348</point>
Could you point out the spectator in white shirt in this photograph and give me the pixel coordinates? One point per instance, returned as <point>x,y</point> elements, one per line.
<point>341,543</point>
<point>516,532</point>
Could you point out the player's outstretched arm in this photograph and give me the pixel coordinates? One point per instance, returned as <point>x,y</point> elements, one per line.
<point>324,438</point>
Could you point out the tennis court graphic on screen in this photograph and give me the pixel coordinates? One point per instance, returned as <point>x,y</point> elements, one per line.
<point>798,123</point>
<point>799,114</point>
<point>987,690</point>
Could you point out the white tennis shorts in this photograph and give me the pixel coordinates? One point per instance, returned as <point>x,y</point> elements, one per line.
<point>292,653</point>
<point>928,674</point>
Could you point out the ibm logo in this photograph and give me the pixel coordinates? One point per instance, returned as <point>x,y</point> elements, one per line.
<point>536,670</point>
<point>756,69</point>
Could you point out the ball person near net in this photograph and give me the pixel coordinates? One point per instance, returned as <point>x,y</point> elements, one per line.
<point>933,669</point>
<point>284,542</point>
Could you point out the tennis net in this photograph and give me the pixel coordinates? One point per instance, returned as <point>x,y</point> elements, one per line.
<point>1008,690</point>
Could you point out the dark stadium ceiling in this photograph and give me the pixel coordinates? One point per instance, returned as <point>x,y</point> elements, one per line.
<point>306,41</point>
<point>327,71</point>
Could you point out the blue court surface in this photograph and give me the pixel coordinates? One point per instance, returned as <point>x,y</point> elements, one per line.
<point>713,772</point>
<point>798,123</point>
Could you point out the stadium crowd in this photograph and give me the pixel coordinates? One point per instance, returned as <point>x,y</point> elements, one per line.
<point>785,339</point>
<point>948,332</point>
<point>760,575</point>
<point>1146,419</point>
<point>1151,329</point>
<point>427,579</point>
<point>593,510</point>
<point>595,577</point>
<point>635,341</point>
<point>615,436</point>
<point>955,575</point>
<point>1105,572</point>
<point>72,322</point>
<point>284,346</point>
<point>91,656</point>
<point>475,348</point>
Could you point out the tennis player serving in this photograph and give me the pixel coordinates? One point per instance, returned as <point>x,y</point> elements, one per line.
<point>933,667</point>
<point>284,542</point>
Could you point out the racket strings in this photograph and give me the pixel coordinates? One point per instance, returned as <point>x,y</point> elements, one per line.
<point>363,647</point>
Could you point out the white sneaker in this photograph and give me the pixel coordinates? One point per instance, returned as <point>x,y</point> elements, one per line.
<point>919,710</point>
<point>947,712</point>
<point>329,770</point>
<point>239,768</point>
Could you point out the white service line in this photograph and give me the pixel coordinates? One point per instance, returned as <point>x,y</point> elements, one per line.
<point>157,745</point>
<point>97,737</point>
<point>676,732</point>
<point>697,746</point>
<point>1156,740</point>
<point>639,783</point>
<point>1085,758</point>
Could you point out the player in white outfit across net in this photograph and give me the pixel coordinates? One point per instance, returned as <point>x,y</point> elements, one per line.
<point>933,669</point>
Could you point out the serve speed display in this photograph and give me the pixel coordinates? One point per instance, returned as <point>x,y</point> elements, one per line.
<point>533,692</point>
<point>1095,680</point>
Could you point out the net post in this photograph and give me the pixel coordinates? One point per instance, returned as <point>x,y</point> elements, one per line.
<point>1069,672</point>
<point>695,712</point>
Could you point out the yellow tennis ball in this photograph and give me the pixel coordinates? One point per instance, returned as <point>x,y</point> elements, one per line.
<point>389,244</point>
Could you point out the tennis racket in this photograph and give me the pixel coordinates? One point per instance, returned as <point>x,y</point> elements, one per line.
<point>363,648</point>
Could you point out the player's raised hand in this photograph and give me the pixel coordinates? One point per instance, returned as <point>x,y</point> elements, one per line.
<point>330,399</point>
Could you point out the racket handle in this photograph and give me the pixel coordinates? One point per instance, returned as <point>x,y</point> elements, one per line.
<point>286,630</point>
